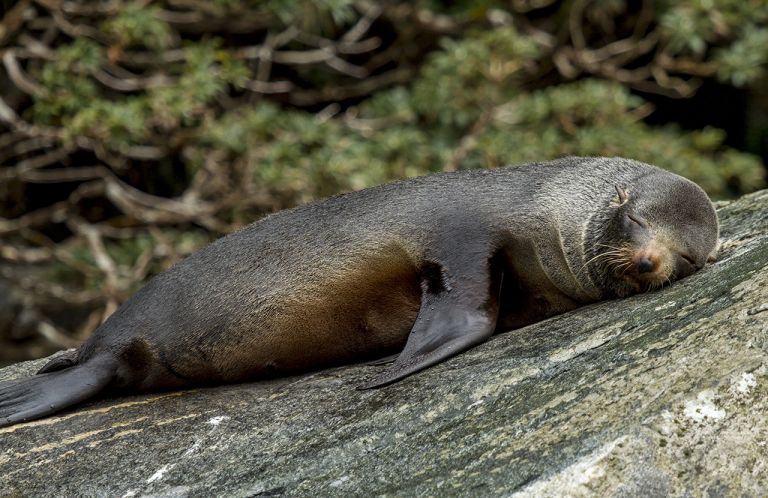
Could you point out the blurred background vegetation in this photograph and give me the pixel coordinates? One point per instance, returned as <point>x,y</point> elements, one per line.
<point>133,132</point>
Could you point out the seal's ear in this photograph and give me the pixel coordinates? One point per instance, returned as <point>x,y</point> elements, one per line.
<point>622,196</point>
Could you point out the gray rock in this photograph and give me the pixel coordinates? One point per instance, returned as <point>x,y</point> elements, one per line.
<point>660,394</point>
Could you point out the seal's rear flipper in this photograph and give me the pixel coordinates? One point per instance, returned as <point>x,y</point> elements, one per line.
<point>34,397</point>
<point>66,359</point>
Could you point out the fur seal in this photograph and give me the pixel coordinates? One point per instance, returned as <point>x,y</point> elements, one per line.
<point>429,267</point>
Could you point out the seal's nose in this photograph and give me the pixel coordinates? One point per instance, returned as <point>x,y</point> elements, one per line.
<point>645,265</point>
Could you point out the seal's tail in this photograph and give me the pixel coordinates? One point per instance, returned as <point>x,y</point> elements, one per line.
<point>43,394</point>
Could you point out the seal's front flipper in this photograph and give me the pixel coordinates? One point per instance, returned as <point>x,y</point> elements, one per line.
<point>34,397</point>
<point>459,307</point>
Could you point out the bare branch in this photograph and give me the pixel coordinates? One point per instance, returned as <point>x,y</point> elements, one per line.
<point>682,87</point>
<point>94,9</point>
<point>423,19</point>
<point>16,73</point>
<point>105,263</point>
<point>209,8</point>
<point>345,67</point>
<point>524,6</point>
<point>686,66</point>
<point>363,24</point>
<point>63,175</point>
<point>77,30</point>
<point>55,336</point>
<point>10,138</point>
<point>575,23</point>
<point>10,117</point>
<point>151,58</point>
<point>339,93</point>
<point>23,147</point>
<point>12,20</point>
<point>630,48</point>
<point>25,255</point>
<point>176,17</point>
<point>130,84</point>
<point>37,162</point>
<point>299,57</point>
<point>268,86</point>
<point>341,47</point>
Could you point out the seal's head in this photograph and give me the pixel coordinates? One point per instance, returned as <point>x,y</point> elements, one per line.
<point>658,227</point>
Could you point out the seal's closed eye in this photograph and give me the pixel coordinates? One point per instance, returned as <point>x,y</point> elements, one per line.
<point>638,220</point>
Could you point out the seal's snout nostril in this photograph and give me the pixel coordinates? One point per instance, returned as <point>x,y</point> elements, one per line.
<point>645,265</point>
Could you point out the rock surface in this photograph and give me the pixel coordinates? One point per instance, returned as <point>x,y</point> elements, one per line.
<point>660,394</point>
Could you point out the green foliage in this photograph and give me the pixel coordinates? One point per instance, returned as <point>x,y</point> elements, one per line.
<point>66,82</point>
<point>473,74</point>
<point>594,118</point>
<point>323,14</point>
<point>701,27</point>
<point>208,73</point>
<point>117,124</point>
<point>81,56</point>
<point>744,61</point>
<point>294,153</point>
<point>238,108</point>
<point>138,25</point>
<point>73,101</point>
<point>408,130</point>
